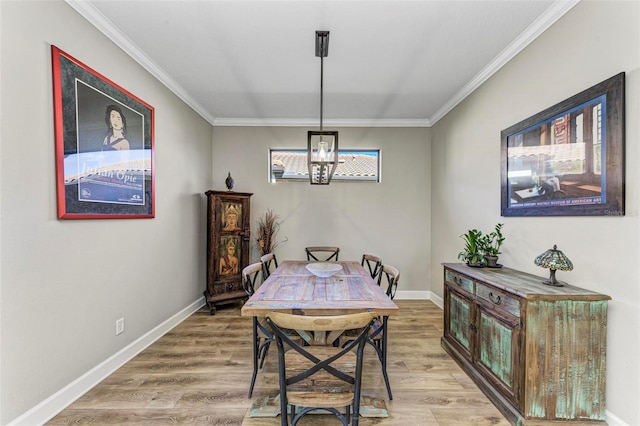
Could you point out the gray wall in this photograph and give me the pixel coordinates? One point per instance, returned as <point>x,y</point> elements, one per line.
<point>390,219</point>
<point>591,43</point>
<point>64,283</point>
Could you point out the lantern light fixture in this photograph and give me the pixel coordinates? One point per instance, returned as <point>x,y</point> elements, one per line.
<point>322,146</point>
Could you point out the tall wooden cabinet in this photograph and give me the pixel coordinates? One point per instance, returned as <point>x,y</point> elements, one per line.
<point>228,243</point>
<point>538,352</point>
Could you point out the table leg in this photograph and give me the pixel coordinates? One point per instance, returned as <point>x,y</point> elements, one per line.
<point>384,355</point>
<point>255,344</point>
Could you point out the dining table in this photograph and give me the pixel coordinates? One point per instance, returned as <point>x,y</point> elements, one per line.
<point>292,288</point>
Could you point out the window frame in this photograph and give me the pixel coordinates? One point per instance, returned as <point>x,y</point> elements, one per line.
<point>376,152</point>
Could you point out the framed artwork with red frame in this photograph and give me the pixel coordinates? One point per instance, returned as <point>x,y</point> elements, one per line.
<point>104,145</point>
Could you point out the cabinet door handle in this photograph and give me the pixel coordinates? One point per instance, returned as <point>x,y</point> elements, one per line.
<point>472,326</point>
<point>495,299</point>
<point>245,234</point>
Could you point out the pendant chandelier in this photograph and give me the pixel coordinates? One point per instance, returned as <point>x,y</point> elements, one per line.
<point>322,146</point>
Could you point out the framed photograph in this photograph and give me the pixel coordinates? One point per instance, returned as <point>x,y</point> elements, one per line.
<point>567,160</point>
<point>104,145</point>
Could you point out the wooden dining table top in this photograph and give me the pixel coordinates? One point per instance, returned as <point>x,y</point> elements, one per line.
<point>292,288</point>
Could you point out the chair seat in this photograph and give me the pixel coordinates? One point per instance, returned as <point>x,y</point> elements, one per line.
<point>325,400</point>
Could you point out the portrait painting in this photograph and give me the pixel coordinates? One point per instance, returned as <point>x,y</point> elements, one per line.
<point>104,145</point>
<point>229,252</point>
<point>231,216</point>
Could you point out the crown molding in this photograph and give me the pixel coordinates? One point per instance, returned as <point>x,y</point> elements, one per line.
<point>104,25</point>
<point>548,18</point>
<point>313,123</point>
<point>539,26</point>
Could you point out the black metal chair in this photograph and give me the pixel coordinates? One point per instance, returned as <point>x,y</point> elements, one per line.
<point>269,264</point>
<point>388,278</point>
<point>319,376</point>
<point>330,253</point>
<point>373,264</point>
<point>262,334</point>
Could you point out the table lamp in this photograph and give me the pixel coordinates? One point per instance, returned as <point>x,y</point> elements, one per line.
<point>554,259</point>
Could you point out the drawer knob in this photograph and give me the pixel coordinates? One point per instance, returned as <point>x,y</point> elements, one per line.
<point>495,299</point>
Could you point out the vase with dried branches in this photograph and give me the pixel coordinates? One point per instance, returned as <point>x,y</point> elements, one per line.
<point>268,227</point>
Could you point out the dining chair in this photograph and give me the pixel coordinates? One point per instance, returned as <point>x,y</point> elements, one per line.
<point>263,335</point>
<point>373,264</point>
<point>269,264</point>
<point>330,253</point>
<point>315,375</point>
<point>388,277</point>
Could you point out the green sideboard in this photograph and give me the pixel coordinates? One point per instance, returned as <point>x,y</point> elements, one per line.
<point>537,351</point>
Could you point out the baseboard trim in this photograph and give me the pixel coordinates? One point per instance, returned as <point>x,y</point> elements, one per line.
<point>419,295</point>
<point>613,420</point>
<point>412,295</point>
<point>57,402</point>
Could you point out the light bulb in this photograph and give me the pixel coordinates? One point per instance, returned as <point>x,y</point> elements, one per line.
<point>322,150</point>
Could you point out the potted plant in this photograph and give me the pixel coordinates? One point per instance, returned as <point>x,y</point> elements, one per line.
<point>490,244</point>
<point>473,251</point>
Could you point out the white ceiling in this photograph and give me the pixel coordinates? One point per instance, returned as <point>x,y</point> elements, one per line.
<point>390,63</point>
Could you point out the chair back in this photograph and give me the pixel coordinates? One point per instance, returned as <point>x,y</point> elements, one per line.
<point>388,280</point>
<point>269,264</point>
<point>313,373</point>
<point>329,253</point>
<point>373,264</point>
<point>250,277</point>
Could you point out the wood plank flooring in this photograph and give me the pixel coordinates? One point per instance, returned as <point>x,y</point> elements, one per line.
<point>199,374</point>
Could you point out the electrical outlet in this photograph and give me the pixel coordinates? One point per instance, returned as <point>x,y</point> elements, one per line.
<point>120,326</point>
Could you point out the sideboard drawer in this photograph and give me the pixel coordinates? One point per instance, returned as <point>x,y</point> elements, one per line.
<point>459,280</point>
<point>499,299</point>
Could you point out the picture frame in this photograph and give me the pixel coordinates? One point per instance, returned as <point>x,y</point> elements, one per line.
<point>103,145</point>
<point>568,160</point>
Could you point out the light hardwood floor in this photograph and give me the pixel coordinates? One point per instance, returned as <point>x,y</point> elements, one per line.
<point>199,373</point>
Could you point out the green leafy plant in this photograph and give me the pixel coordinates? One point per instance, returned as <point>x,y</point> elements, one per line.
<point>473,250</point>
<point>478,246</point>
<point>490,243</point>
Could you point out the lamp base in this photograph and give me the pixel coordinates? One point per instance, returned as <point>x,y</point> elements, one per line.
<point>553,283</point>
<point>552,279</point>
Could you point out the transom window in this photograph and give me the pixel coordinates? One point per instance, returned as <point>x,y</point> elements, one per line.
<point>359,165</point>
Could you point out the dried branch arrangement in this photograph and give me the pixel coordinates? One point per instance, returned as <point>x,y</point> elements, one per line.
<point>268,227</point>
